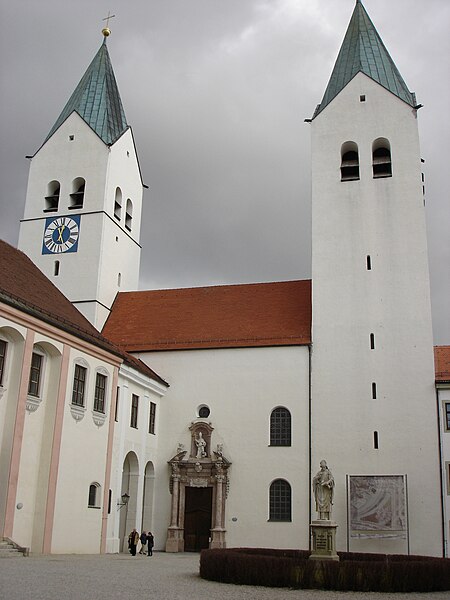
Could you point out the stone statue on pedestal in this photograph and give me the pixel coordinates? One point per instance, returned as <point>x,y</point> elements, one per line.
<point>323,489</point>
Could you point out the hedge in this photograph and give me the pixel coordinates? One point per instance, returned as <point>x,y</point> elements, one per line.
<point>354,571</point>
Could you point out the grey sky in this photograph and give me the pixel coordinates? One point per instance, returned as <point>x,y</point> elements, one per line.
<point>216,92</point>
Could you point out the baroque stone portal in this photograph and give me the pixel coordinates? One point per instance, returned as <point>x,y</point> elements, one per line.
<point>201,468</point>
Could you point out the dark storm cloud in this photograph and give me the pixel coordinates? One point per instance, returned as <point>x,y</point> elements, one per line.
<point>216,92</point>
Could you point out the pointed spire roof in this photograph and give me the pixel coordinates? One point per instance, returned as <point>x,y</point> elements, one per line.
<point>97,100</point>
<point>363,51</point>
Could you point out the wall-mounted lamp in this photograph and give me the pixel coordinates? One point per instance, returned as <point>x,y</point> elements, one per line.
<point>124,497</point>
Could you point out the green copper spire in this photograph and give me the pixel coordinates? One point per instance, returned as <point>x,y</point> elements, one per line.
<point>363,51</point>
<point>96,99</point>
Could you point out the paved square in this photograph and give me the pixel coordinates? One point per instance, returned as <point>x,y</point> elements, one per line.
<point>161,577</point>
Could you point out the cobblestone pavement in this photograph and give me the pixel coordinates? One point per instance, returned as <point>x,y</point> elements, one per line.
<point>161,577</point>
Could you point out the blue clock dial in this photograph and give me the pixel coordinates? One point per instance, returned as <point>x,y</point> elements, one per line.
<point>61,235</point>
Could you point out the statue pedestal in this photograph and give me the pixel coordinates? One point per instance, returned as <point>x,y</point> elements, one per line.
<point>323,535</point>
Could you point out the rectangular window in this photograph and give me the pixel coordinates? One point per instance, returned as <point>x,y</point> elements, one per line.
<point>79,382</point>
<point>369,263</point>
<point>35,374</point>
<point>2,359</point>
<point>374,391</point>
<point>372,341</point>
<point>100,391</point>
<point>447,416</point>
<point>116,412</point>
<point>134,411</point>
<point>152,418</point>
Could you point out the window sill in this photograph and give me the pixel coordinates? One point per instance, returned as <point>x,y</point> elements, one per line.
<point>32,403</point>
<point>279,520</point>
<point>99,418</point>
<point>77,412</point>
<point>95,507</point>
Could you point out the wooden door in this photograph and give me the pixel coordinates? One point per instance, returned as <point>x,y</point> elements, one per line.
<point>197,518</point>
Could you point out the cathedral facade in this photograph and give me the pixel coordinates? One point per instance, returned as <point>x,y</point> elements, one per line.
<point>202,414</point>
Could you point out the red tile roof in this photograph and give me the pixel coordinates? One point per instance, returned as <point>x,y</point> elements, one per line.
<point>442,363</point>
<point>228,316</point>
<point>25,287</point>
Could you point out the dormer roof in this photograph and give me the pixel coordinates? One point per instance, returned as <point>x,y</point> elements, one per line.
<point>363,51</point>
<point>97,100</point>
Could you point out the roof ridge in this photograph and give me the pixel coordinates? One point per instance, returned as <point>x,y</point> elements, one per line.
<point>220,285</point>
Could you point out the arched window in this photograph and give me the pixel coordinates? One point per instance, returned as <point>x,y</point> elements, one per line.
<point>52,197</point>
<point>280,501</point>
<point>129,215</point>
<point>94,495</point>
<point>349,162</point>
<point>280,427</point>
<point>381,158</point>
<point>118,204</point>
<point>77,195</point>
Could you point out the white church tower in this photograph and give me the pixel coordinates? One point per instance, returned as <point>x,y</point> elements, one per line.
<point>373,410</point>
<point>83,207</point>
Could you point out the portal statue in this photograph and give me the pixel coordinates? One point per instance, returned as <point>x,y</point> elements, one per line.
<point>201,445</point>
<point>323,488</point>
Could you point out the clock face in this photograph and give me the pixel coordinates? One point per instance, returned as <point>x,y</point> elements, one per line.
<point>61,235</point>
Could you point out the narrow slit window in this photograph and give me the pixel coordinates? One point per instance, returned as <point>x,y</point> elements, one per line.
<point>374,390</point>
<point>375,440</point>
<point>116,411</point>
<point>2,359</point>
<point>369,263</point>
<point>372,341</point>
<point>56,269</point>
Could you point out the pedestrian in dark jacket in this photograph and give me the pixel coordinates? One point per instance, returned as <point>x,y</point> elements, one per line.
<point>143,539</point>
<point>150,543</point>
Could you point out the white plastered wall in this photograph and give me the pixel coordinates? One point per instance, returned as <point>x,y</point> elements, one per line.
<point>82,461</point>
<point>241,387</point>
<point>143,447</point>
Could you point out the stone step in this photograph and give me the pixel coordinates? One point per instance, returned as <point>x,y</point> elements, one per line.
<point>9,550</point>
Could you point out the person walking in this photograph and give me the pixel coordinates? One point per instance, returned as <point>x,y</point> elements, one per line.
<point>133,540</point>
<point>150,543</point>
<point>143,539</point>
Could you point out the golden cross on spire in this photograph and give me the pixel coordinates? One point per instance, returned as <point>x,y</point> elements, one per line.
<point>106,30</point>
